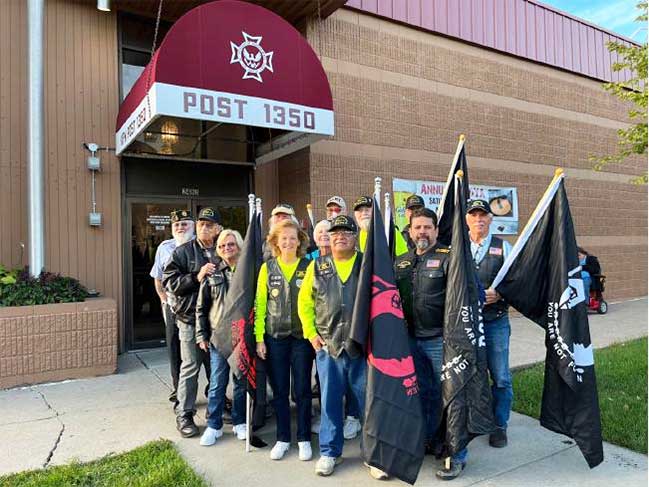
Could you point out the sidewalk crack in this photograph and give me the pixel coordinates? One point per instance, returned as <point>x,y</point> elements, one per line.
<point>57,415</point>
<point>153,371</point>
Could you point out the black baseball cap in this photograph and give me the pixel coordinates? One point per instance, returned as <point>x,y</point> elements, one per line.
<point>362,201</point>
<point>209,214</point>
<point>179,215</point>
<point>414,201</point>
<point>481,205</point>
<point>343,222</point>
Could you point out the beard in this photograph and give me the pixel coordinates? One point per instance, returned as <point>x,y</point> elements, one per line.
<point>422,244</point>
<point>365,223</point>
<point>183,238</point>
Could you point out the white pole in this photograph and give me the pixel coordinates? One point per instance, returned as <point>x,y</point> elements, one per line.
<point>251,207</point>
<point>386,216</point>
<point>248,425</point>
<point>377,189</point>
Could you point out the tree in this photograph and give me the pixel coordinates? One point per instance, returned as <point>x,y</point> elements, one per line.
<point>632,140</point>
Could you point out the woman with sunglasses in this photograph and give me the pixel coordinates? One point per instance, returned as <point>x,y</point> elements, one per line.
<point>228,246</point>
<point>278,332</point>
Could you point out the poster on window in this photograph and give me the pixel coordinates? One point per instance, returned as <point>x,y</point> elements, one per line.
<point>502,201</point>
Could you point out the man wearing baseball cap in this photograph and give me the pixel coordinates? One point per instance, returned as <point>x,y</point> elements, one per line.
<point>413,202</point>
<point>325,305</point>
<point>189,265</point>
<point>182,231</point>
<point>335,206</point>
<point>363,215</point>
<point>489,253</point>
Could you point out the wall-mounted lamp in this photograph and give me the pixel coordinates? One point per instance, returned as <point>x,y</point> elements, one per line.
<point>103,5</point>
<point>94,164</point>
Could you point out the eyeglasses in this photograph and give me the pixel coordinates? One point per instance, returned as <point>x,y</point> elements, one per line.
<point>228,245</point>
<point>181,224</point>
<point>342,233</point>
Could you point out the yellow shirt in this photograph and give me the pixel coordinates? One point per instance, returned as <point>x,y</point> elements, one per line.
<point>306,299</point>
<point>261,297</point>
<point>400,244</point>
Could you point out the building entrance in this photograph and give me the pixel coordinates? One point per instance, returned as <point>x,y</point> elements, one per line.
<point>152,194</point>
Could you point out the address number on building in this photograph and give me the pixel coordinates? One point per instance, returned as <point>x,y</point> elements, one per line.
<point>293,117</point>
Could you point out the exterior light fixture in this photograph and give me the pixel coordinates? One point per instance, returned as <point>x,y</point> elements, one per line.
<point>103,5</point>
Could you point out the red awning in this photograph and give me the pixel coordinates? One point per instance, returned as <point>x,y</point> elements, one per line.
<point>232,62</point>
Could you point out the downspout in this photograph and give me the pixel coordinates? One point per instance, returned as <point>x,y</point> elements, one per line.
<point>35,136</point>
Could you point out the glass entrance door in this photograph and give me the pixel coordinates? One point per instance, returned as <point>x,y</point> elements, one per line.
<point>150,226</point>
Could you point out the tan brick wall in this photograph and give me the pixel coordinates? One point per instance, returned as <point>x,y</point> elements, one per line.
<point>58,341</point>
<point>402,97</point>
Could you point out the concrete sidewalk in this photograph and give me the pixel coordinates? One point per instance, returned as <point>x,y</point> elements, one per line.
<point>86,419</point>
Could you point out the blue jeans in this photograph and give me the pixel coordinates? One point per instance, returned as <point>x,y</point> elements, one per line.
<point>336,374</point>
<point>216,394</point>
<point>497,334</point>
<point>585,276</point>
<point>286,355</point>
<point>429,356</point>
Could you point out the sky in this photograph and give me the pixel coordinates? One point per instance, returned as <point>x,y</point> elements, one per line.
<point>614,15</point>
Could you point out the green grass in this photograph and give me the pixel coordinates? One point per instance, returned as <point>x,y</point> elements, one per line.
<point>621,372</point>
<point>156,464</point>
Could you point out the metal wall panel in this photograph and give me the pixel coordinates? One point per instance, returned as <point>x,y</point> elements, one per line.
<point>524,28</point>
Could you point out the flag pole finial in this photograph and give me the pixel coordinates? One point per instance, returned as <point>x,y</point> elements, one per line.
<point>460,173</point>
<point>558,171</point>
<point>462,136</point>
<point>308,206</point>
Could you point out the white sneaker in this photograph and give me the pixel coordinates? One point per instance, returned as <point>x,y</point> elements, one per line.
<point>325,465</point>
<point>210,435</point>
<point>278,451</point>
<point>240,430</point>
<point>305,450</point>
<point>315,426</point>
<point>351,428</point>
<point>377,473</point>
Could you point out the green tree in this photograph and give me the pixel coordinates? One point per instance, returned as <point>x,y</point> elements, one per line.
<point>632,140</point>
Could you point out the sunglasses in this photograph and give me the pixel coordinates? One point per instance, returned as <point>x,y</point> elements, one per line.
<point>228,245</point>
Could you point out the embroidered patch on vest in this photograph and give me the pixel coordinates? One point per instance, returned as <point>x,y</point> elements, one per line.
<point>443,251</point>
<point>274,292</point>
<point>403,264</point>
<point>300,274</point>
<point>432,263</point>
<point>324,266</point>
<point>495,251</point>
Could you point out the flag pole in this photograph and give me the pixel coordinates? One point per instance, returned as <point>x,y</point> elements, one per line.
<point>387,213</point>
<point>251,210</point>
<point>535,217</point>
<point>451,175</point>
<point>377,189</point>
<point>309,211</point>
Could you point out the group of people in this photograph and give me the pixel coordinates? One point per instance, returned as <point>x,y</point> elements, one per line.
<point>303,313</point>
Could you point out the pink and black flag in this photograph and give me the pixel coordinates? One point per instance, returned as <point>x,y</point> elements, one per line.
<point>393,431</point>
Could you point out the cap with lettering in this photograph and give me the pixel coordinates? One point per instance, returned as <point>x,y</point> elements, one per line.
<point>180,215</point>
<point>337,200</point>
<point>343,222</point>
<point>362,201</point>
<point>414,201</point>
<point>480,205</point>
<point>209,214</point>
<point>283,208</point>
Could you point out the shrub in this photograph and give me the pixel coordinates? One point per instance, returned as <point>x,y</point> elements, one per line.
<point>19,288</point>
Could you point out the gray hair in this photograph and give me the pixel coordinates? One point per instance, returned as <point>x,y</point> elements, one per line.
<point>321,223</point>
<point>228,232</point>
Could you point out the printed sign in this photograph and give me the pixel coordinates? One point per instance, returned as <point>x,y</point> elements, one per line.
<point>502,201</point>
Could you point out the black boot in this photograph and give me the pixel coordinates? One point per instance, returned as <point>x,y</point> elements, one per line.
<point>498,439</point>
<point>186,426</point>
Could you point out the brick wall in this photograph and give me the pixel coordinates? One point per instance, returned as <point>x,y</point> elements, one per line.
<point>57,341</point>
<point>402,97</point>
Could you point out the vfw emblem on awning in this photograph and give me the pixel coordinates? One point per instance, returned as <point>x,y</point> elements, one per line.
<point>252,57</point>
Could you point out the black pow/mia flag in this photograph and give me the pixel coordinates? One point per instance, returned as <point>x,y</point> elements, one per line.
<point>542,279</point>
<point>466,396</point>
<point>447,202</point>
<point>393,431</point>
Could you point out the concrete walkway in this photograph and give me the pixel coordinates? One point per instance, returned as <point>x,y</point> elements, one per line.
<point>86,419</point>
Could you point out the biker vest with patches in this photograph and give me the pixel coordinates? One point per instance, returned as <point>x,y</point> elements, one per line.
<point>281,308</point>
<point>421,280</point>
<point>334,303</point>
<point>487,270</point>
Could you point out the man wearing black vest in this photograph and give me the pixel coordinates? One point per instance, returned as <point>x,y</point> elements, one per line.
<point>421,279</point>
<point>325,305</point>
<point>413,202</point>
<point>489,253</point>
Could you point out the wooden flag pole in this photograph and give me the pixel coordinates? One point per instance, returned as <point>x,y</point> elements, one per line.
<point>309,211</point>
